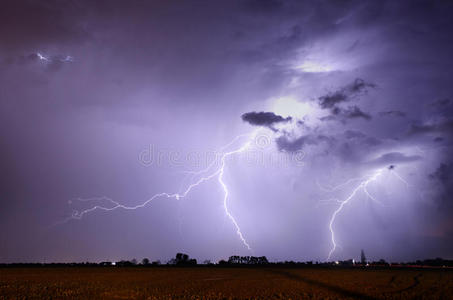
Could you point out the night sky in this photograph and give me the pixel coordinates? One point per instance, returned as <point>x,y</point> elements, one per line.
<point>323,122</point>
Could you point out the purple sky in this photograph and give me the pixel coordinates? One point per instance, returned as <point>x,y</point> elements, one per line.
<point>347,107</point>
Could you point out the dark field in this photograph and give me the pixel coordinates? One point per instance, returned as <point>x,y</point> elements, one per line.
<point>224,283</point>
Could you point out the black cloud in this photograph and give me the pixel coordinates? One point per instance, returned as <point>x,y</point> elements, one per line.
<point>265,119</point>
<point>344,94</point>
<point>333,100</point>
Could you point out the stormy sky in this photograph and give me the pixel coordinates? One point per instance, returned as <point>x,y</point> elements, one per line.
<point>105,104</point>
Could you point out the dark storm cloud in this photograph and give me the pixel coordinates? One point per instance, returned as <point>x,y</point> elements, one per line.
<point>148,71</point>
<point>354,147</point>
<point>395,158</point>
<point>343,114</point>
<point>437,127</point>
<point>332,99</point>
<point>265,119</point>
<point>443,177</point>
<point>27,25</point>
<point>438,139</point>
<point>443,108</point>
<point>291,144</point>
<point>442,104</point>
<point>438,120</point>
<point>344,94</point>
<point>444,173</point>
<point>12,60</point>
<point>355,112</point>
<point>333,102</point>
<point>392,113</point>
<point>284,143</point>
<point>361,138</point>
<point>264,6</point>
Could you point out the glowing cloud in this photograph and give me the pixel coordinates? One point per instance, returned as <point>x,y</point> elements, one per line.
<point>314,67</point>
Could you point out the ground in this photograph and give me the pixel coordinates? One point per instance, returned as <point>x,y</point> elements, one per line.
<point>224,283</point>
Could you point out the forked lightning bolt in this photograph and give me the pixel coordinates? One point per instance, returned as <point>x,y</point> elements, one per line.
<point>362,186</point>
<point>217,172</point>
<point>225,189</point>
<point>49,59</point>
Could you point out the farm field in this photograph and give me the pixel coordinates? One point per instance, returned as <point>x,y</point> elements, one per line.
<point>224,283</point>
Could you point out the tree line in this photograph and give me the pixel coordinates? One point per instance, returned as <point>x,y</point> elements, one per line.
<point>182,260</point>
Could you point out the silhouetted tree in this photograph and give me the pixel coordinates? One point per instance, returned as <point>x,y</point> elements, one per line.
<point>247,260</point>
<point>156,263</point>
<point>145,261</point>
<point>183,259</point>
<point>263,260</point>
<point>124,263</point>
<point>234,259</point>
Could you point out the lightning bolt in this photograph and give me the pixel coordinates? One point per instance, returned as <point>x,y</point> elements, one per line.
<point>225,189</point>
<point>217,172</point>
<point>49,59</point>
<point>362,186</point>
<point>400,178</point>
<point>42,57</point>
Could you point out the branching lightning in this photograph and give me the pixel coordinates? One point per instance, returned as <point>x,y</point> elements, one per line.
<point>48,59</point>
<point>362,186</point>
<point>213,170</point>
<point>225,189</point>
<point>217,172</point>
